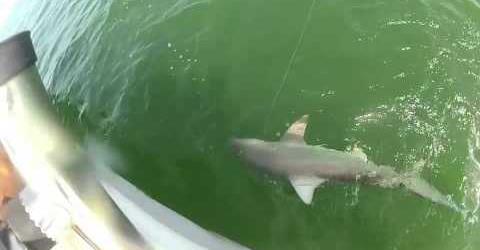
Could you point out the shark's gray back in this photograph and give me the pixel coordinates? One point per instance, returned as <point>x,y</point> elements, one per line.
<point>302,159</point>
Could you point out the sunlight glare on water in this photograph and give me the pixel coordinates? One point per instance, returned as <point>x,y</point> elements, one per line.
<point>6,8</point>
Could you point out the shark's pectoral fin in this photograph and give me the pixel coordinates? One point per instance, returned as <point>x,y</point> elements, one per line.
<point>296,131</point>
<point>305,186</point>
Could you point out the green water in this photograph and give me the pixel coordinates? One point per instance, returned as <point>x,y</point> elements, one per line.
<point>169,82</point>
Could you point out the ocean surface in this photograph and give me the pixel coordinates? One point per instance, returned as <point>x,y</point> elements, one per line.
<point>169,82</point>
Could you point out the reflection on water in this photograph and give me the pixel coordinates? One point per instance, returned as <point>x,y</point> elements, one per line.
<point>472,177</point>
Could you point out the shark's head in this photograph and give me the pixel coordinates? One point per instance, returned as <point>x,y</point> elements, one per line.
<point>254,151</point>
<point>243,147</point>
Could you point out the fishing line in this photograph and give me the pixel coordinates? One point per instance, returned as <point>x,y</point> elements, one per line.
<point>290,63</point>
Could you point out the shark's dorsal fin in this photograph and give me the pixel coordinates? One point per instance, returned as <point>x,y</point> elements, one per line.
<point>296,131</point>
<point>358,152</point>
<point>305,186</point>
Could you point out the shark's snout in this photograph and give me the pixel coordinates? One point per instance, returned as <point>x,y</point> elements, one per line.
<point>248,149</point>
<point>237,145</point>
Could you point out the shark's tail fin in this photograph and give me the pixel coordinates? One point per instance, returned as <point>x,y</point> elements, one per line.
<point>424,189</point>
<point>414,183</point>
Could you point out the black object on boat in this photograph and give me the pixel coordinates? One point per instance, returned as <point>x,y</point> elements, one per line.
<point>16,54</point>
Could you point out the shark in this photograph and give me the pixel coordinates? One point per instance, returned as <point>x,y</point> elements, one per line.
<point>307,167</point>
